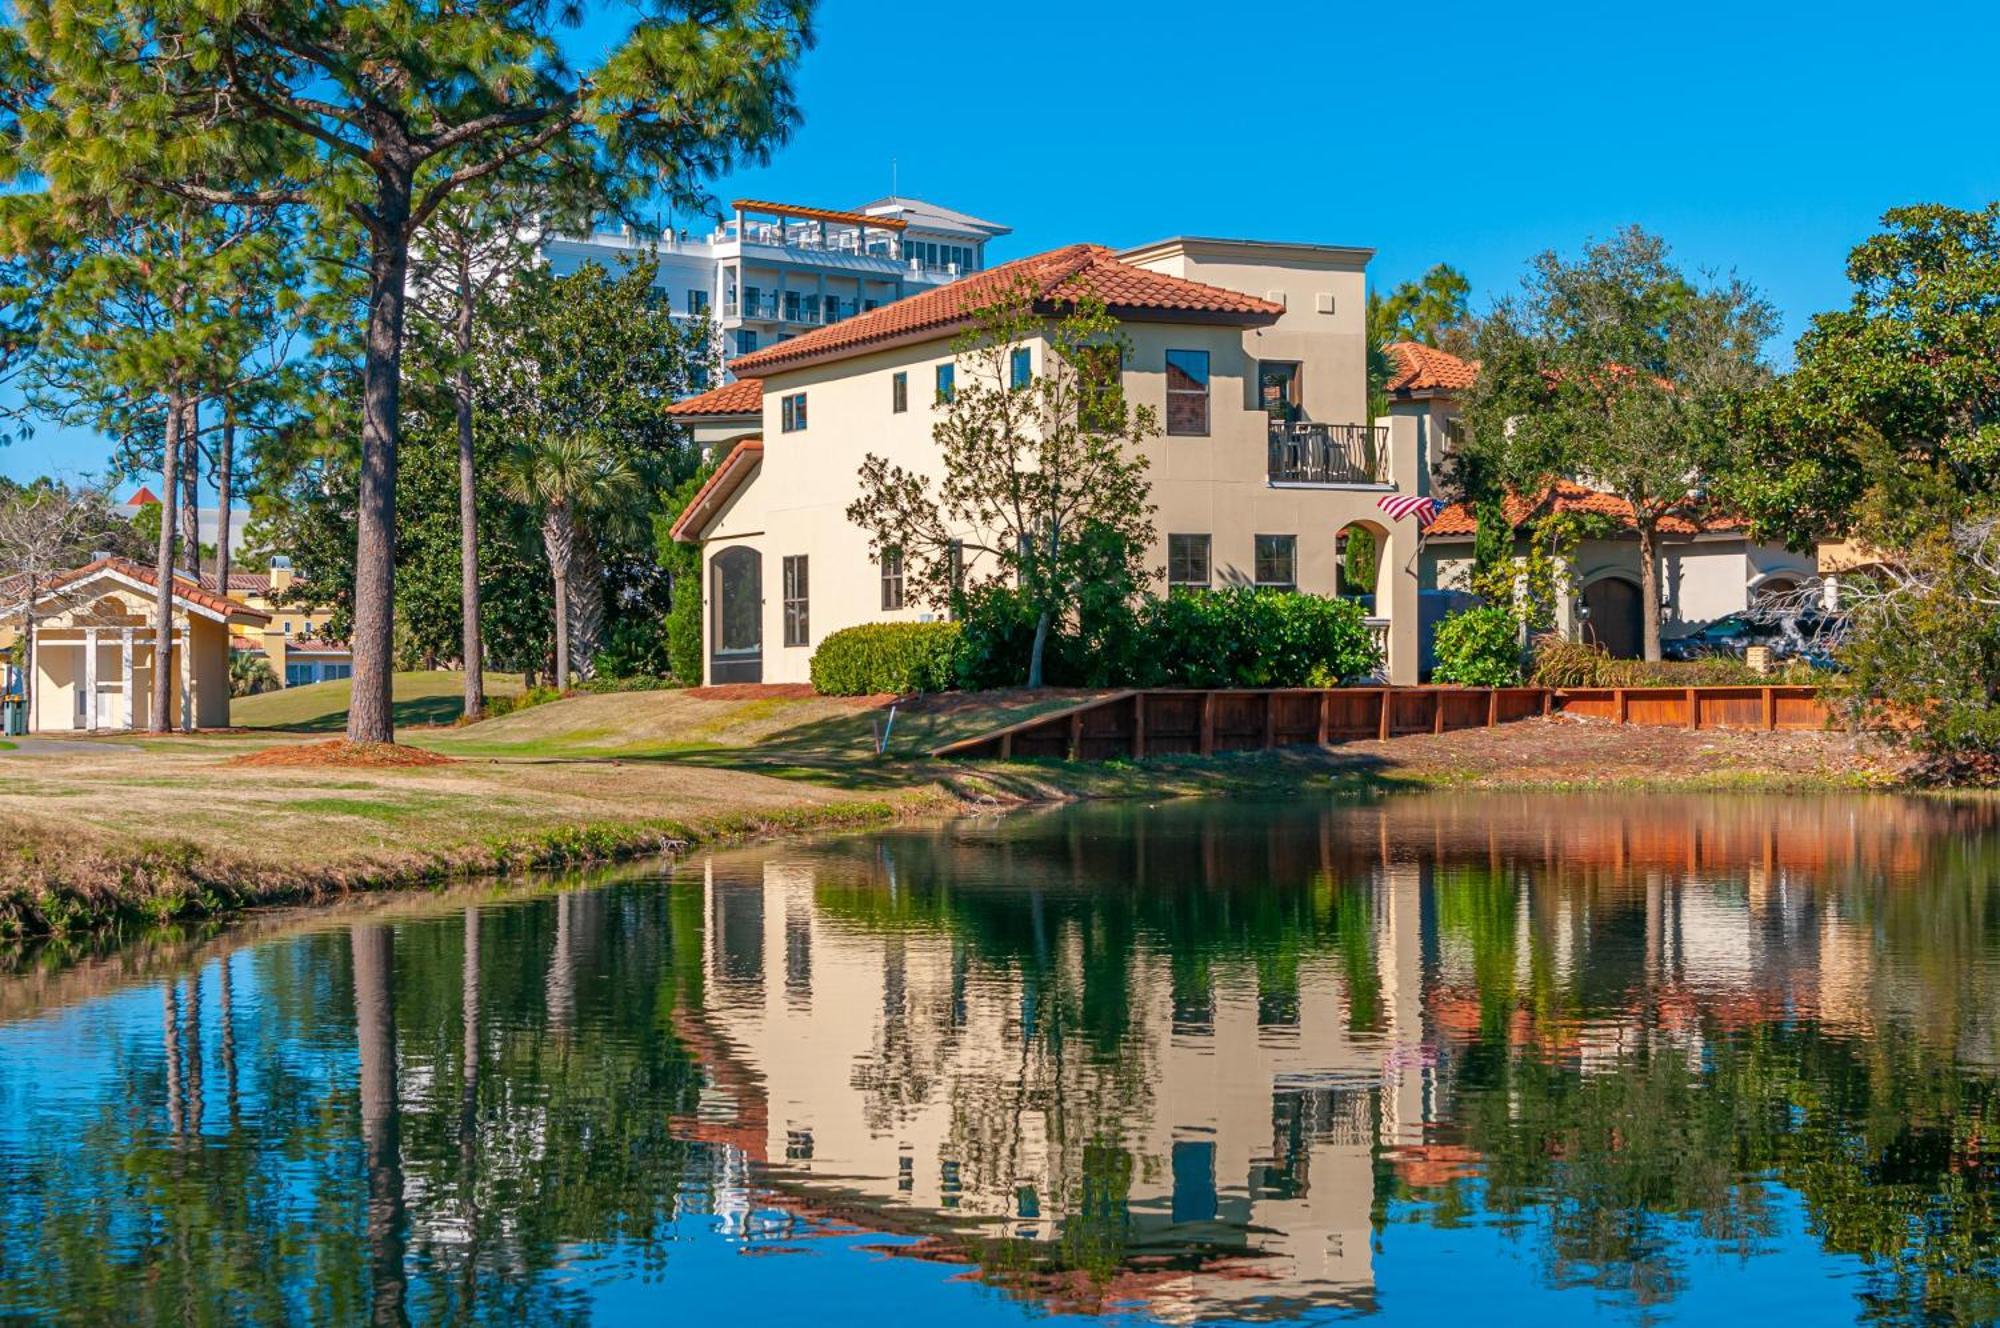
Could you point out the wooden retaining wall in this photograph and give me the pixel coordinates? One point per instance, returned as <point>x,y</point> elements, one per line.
<point>1766,708</point>
<point>1139,724</point>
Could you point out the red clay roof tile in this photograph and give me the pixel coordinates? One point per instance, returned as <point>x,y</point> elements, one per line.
<point>745,396</point>
<point>1421,368</point>
<point>1459,521</point>
<point>715,491</point>
<point>183,588</point>
<point>1054,277</point>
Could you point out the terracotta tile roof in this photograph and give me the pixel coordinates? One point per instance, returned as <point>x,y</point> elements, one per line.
<point>745,396</point>
<point>727,479</point>
<point>1458,521</point>
<point>1054,277</point>
<point>244,645</point>
<point>183,588</point>
<point>248,582</point>
<point>1421,368</point>
<point>144,498</point>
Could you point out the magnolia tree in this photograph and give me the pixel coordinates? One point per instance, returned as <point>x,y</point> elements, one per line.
<point>1042,485</point>
<point>45,528</point>
<point>1622,372</point>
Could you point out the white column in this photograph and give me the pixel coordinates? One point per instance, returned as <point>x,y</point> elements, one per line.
<point>90,678</point>
<point>125,663</point>
<point>187,677</point>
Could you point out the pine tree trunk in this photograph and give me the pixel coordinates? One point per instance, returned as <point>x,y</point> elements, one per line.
<point>191,492</point>
<point>32,591</point>
<point>1649,589</point>
<point>370,717</point>
<point>163,567</point>
<point>225,463</point>
<point>586,605</point>
<point>473,652</point>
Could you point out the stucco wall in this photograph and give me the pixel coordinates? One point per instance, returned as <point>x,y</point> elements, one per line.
<point>1215,484</point>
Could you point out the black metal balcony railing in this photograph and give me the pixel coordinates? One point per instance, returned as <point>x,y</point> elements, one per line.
<point>1303,453</point>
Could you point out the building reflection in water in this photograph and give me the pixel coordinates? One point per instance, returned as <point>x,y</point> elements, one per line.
<point>1202,1060</point>
<point>1185,1060</point>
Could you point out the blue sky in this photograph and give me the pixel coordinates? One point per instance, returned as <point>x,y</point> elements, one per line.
<point>1761,138</point>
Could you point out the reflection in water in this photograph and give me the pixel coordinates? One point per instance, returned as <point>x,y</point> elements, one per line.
<point>1194,1061</point>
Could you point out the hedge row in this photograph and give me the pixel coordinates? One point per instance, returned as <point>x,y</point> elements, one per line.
<point>886,657</point>
<point>1238,637</point>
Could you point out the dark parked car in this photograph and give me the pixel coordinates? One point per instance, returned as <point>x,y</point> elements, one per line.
<point>1808,636</point>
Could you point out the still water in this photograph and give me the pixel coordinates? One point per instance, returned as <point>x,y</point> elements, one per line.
<point>1427,1060</point>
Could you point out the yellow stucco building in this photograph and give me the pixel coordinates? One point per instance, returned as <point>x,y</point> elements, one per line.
<point>90,665</point>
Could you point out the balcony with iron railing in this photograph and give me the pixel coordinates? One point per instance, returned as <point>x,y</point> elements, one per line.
<point>1338,455</point>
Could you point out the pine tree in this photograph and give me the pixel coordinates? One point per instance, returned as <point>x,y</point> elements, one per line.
<point>375,115</point>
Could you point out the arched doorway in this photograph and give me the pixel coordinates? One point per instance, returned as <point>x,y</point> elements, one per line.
<point>736,621</point>
<point>1614,620</point>
<point>1773,590</point>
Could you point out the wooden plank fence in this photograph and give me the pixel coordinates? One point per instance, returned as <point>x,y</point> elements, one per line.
<point>1144,723</point>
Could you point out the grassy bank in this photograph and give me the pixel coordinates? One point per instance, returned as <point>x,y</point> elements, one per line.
<point>420,697</point>
<point>97,830</point>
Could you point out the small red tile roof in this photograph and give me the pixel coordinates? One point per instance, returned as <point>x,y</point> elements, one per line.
<point>144,498</point>
<point>745,396</point>
<point>183,588</point>
<point>1459,521</point>
<point>1421,368</point>
<point>1055,277</point>
<point>717,489</point>
<point>249,582</point>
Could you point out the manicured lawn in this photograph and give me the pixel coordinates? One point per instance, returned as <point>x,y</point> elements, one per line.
<point>421,697</point>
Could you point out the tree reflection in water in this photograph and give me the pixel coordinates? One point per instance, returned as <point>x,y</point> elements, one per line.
<point>1197,1059</point>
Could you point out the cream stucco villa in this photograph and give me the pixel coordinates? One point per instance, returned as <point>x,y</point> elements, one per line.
<point>1253,354</point>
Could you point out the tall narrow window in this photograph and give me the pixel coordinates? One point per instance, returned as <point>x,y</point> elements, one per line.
<point>1187,392</point>
<point>892,579</point>
<point>944,383</point>
<point>697,302</point>
<point>1020,368</point>
<point>1187,561</point>
<point>1277,565</point>
<point>797,626</point>
<point>792,413</point>
<point>955,561</point>
<point>746,341</point>
<point>899,393</point>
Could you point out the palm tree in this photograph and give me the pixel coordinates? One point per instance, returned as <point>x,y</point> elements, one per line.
<point>563,478</point>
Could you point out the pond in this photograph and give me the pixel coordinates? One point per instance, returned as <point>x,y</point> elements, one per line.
<point>1530,1058</point>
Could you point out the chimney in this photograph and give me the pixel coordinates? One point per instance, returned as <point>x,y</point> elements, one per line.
<point>281,573</point>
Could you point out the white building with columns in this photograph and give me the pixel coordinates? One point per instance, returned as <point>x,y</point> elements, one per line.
<point>91,652</point>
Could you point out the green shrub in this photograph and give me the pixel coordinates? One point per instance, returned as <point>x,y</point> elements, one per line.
<point>1479,647</point>
<point>1246,637</point>
<point>497,706</point>
<point>886,657</point>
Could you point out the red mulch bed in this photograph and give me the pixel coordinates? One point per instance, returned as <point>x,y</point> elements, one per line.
<point>341,753</point>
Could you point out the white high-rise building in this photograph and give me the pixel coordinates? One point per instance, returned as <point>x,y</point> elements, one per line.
<point>772,270</point>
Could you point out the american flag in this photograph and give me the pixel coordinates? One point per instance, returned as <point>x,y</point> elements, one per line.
<point>1400,505</point>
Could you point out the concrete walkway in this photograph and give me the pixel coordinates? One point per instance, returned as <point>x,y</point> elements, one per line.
<point>63,747</point>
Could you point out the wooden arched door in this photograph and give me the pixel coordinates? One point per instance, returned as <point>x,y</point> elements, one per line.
<point>1614,622</point>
